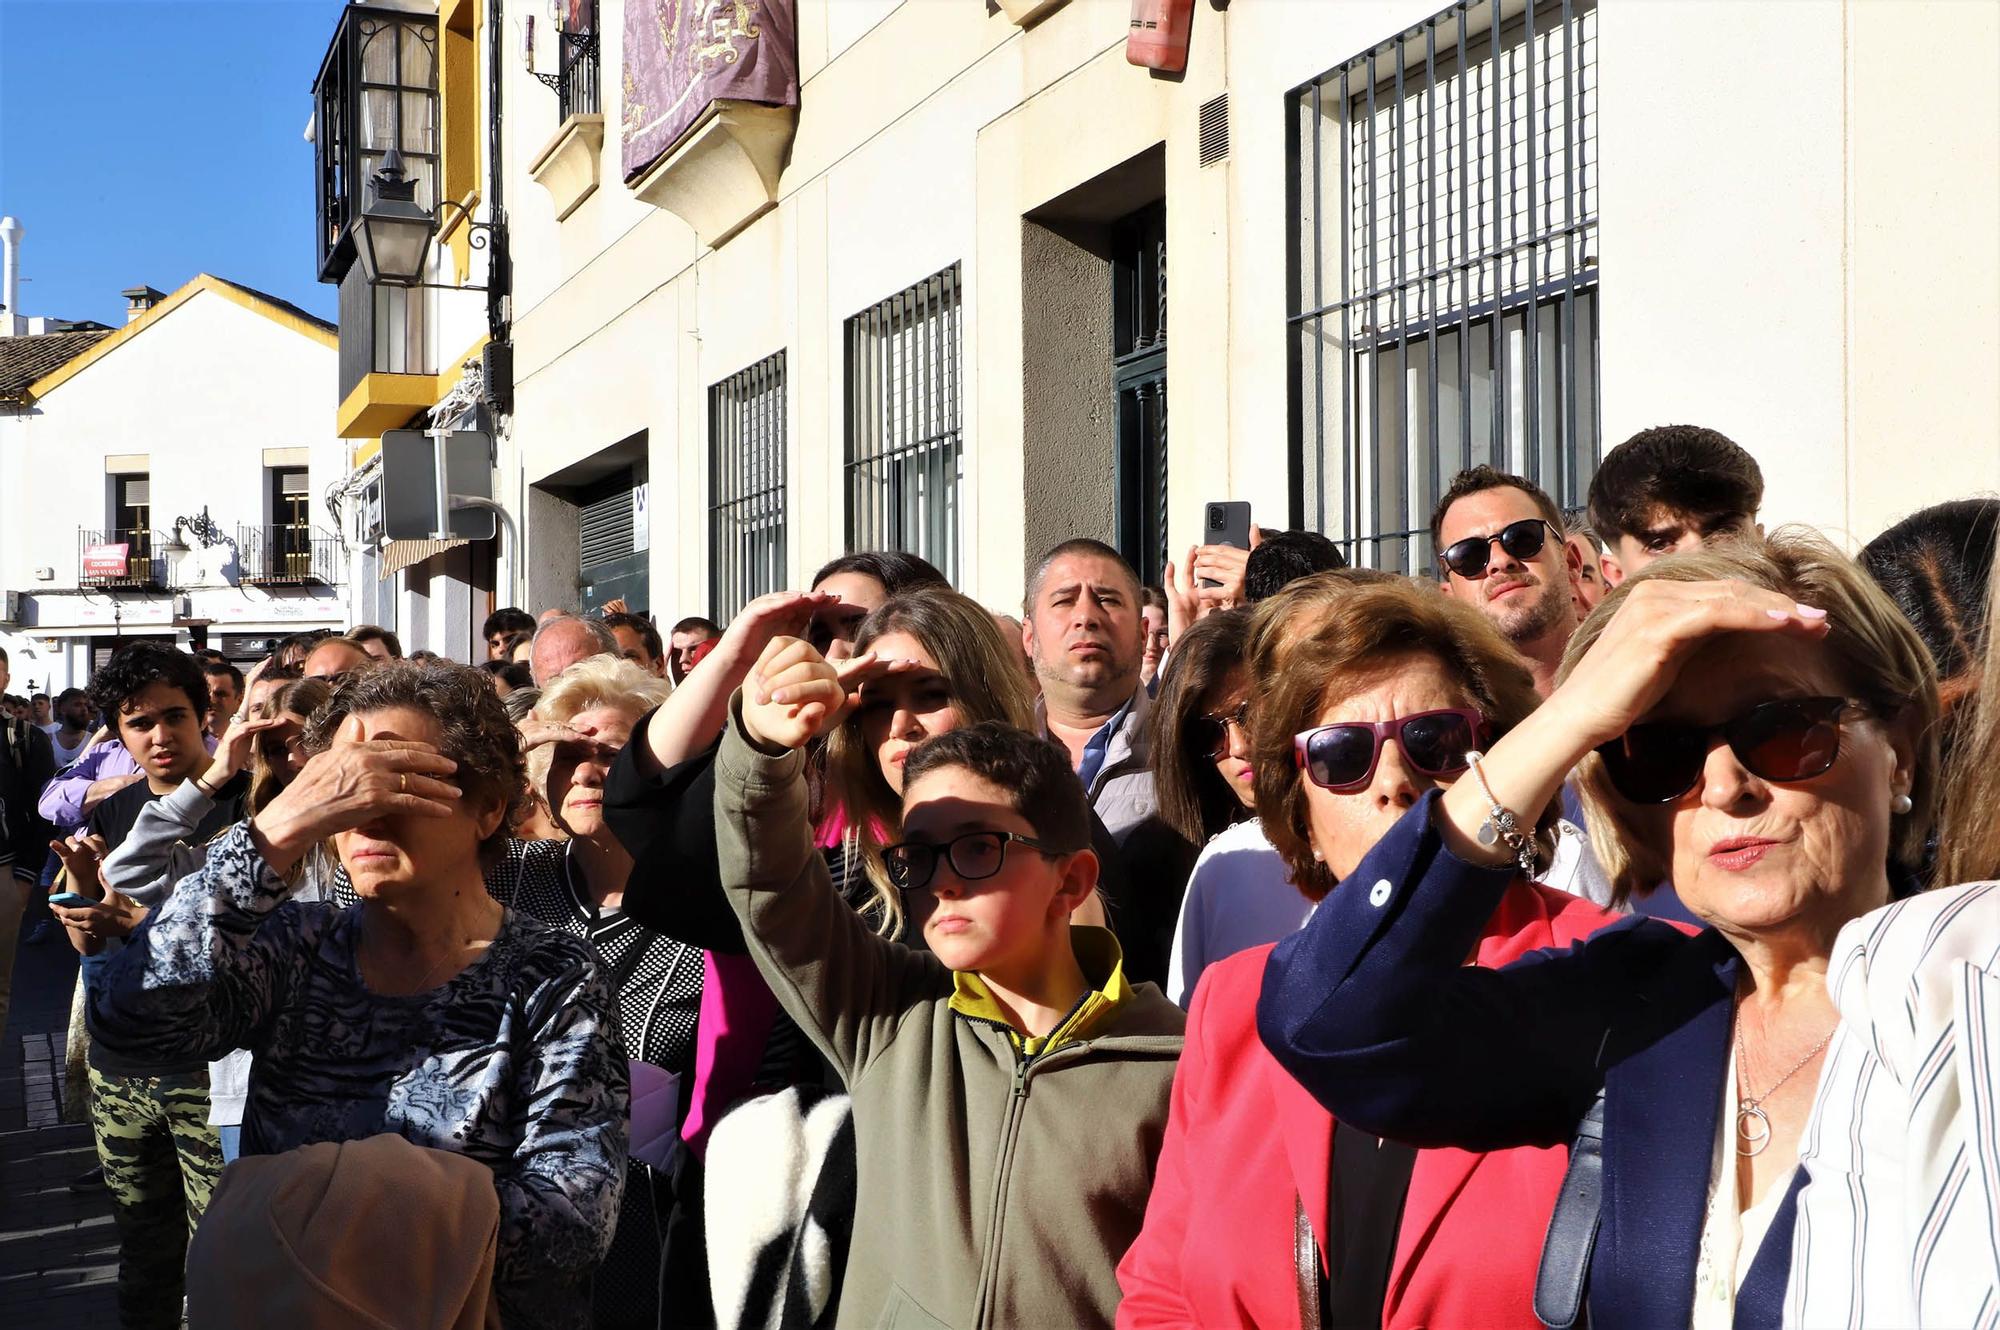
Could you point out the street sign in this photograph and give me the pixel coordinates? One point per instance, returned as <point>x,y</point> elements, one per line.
<point>411,507</point>
<point>105,560</point>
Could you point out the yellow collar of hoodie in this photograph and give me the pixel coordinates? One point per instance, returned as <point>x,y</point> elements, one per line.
<point>1103,965</point>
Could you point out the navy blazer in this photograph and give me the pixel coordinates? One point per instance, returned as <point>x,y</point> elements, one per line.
<point>1372,1007</point>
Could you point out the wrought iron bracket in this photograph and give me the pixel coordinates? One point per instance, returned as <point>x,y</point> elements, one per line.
<point>573,47</point>
<point>478,235</point>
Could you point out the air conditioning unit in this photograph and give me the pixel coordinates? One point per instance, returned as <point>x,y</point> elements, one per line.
<point>11,605</point>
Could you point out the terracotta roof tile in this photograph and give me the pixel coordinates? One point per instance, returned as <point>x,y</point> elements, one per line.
<point>25,359</point>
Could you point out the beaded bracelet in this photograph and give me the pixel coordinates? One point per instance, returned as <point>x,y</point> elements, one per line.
<point>1501,826</point>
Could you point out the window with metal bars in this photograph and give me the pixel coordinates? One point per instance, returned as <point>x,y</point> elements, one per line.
<point>1139,377</point>
<point>905,464</point>
<point>1443,271</point>
<point>746,486</point>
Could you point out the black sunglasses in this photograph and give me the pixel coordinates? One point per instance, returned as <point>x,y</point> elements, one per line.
<point>1210,733</point>
<point>1786,740</point>
<point>974,856</point>
<point>1343,757</point>
<point>1522,540</point>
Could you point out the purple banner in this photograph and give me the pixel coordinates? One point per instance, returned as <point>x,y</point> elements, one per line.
<point>683,55</point>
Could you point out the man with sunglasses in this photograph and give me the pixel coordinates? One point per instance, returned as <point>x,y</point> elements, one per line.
<point>1502,548</point>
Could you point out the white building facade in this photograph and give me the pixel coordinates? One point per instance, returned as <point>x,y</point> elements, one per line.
<point>944,301</point>
<point>169,484</point>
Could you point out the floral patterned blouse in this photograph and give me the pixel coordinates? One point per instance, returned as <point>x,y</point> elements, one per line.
<point>515,1062</point>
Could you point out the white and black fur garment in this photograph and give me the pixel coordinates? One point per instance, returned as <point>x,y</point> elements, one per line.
<point>780,1210</point>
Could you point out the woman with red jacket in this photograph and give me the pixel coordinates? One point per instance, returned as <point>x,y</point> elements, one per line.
<point>1265,1211</point>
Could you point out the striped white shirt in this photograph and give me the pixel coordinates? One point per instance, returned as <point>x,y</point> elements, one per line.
<point>1899,1225</point>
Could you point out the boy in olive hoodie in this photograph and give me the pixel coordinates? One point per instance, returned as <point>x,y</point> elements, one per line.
<point>1010,1087</point>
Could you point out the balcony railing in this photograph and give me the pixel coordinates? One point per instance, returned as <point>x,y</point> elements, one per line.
<point>575,79</point>
<point>113,557</point>
<point>286,556</point>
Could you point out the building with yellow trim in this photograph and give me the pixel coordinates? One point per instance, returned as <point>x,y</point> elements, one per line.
<point>170,482</point>
<point>943,302</point>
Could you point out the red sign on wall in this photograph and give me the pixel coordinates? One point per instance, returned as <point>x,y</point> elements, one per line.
<point>104,560</point>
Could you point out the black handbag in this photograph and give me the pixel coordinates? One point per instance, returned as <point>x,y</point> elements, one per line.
<point>1564,1274</point>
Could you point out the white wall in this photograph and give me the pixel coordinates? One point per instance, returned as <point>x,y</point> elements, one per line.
<point>1799,205</point>
<point>203,392</point>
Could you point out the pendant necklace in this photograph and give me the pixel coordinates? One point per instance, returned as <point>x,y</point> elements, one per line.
<point>1753,1124</point>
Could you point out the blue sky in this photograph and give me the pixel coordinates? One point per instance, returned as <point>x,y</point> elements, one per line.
<point>145,141</point>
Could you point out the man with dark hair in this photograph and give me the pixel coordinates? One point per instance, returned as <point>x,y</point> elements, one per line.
<point>499,624</point>
<point>687,635</point>
<point>1502,549</point>
<point>377,641</point>
<point>638,641</point>
<point>225,693</point>
<point>26,762</point>
<point>1671,488</point>
<point>73,726</point>
<point>41,712</point>
<point>1283,557</point>
<point>161,1156</point>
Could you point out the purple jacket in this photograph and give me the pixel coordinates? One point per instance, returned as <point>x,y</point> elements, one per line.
<point>62,798</point>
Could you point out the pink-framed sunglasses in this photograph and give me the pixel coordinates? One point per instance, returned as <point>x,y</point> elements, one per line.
<point>1342,757</point>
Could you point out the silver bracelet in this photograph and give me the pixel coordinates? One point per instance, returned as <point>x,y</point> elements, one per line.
<point>1501,827</point>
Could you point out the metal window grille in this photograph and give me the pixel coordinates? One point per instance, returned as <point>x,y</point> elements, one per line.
<point>604,525</point>
<point>1443,272</point>
<point>746,486</point>
<point>905,463</point>
<point>1139,377</point>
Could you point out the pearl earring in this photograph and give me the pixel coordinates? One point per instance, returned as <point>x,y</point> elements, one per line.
<point>1318,858</point>
<point>1901,804</point>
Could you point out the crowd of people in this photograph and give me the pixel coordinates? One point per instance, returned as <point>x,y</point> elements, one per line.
<point>1600,929</point>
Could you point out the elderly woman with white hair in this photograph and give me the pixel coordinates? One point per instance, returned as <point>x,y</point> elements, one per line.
<point>581,720</point>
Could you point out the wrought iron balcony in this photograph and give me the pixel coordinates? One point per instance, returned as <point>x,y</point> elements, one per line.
<point>114,557</point>
<point>293,555</point>
<point>575,79</point>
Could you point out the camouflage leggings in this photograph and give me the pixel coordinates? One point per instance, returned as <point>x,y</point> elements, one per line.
<point>161,1160</point>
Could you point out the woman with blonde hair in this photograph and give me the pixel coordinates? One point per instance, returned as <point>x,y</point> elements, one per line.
<point>581,721</point>
<point>941,664</point>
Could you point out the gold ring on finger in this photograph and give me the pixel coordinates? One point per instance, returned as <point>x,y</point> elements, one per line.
<point>404,786</point>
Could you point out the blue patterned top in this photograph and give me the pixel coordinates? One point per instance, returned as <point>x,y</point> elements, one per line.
<point>515,1061</point>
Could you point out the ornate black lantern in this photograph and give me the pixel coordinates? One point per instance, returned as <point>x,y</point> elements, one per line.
<point>392,234</point>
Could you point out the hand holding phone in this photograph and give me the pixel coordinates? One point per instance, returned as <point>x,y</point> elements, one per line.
<point>70,900</point>
<point>1226,523</point>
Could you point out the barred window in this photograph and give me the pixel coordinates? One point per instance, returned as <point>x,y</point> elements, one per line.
<point>746,513</point>
<point>1443,272</point>
<point>905,464</point>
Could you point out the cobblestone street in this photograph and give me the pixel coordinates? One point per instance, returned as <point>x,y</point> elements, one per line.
<point>58,1251</point>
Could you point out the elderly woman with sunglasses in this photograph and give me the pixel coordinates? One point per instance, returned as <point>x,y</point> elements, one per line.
<point>1370,691</point>
<point>1755,725</point>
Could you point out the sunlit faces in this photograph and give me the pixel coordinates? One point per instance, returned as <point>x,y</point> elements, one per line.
<point>1666,531</point>
<point>558,647</point>
<point>1588,586</point>
<point>578,766</point>
<point>1227,737</point>
<point>1152,641</point>
<point>1525,598</point>
<point>1003,925</point>
<point>404,852</point>
<point>1750,854</point>
<point>1084,630</point>
<point>161,729</point>
<point>899,711</point>
<point>1345,826</point>
<point>333,659</point>
<point>833,626</point>
<point>632,646</point>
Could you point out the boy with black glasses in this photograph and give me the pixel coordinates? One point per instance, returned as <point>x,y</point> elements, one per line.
<point>1010,1085</point>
